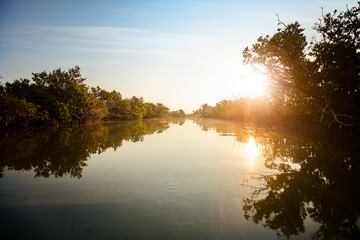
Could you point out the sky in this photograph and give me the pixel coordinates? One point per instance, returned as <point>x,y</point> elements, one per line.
<point>179,53</point>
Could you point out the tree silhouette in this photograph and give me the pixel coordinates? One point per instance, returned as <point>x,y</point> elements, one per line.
<point>320,78</point>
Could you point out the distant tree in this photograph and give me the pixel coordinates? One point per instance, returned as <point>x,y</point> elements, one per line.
<point>204,111</point>
<point>61,96</point>
<point>137,107</point>
<point>161,110</point>
<point>242,109</point>
<point>68,98</point>
<point>178,113</point>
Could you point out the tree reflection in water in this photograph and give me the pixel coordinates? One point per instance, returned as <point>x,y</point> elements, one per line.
<point>64,151</point>
<point>316,176</point>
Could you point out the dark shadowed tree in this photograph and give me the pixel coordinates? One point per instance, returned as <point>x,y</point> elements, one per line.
<point>318,78</point>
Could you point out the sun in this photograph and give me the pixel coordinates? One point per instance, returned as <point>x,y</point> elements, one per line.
<point>253,84</point>
<point>235,82</point>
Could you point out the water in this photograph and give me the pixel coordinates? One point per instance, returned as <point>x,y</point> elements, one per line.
<point>193,179</point>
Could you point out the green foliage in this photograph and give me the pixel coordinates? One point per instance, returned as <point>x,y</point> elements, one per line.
<point>59,96</point>
<point>129,108</point>
<point>156,110</point>
<point>138,107</point>
<point>13,109</point>
<point>63,97</point>
<point>178,113</point>
<point>243,109</point>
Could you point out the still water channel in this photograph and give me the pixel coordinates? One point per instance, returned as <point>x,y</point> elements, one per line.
<point>179,179</point>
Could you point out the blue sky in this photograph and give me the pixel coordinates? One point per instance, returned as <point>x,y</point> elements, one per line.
<point>180,53</point>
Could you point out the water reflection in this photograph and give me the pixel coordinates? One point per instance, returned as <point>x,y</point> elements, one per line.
<point>313,176</point>
<point>185,179</point>
<point>64,151</point>
<point>251,151</point>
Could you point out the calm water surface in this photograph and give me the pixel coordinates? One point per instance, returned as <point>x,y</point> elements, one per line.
<point>193,179</point>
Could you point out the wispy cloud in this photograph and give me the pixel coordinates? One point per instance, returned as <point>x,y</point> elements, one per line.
<point>95,39</point>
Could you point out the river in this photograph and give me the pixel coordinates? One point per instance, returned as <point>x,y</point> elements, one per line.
<point>176,179</point>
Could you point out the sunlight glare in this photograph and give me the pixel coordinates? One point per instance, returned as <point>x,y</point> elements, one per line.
<point>253,84</point>
<point>251,151</point>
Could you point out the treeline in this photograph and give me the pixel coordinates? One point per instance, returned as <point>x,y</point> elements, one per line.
<point>243,109</point>
<point>317,79</point>
<point>260,111</point>
<point>63,97</point>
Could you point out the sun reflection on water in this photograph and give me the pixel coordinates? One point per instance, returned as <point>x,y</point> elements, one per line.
<point>251,151</point>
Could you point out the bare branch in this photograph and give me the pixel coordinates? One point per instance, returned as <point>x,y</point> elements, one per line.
<point>280,22</point>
